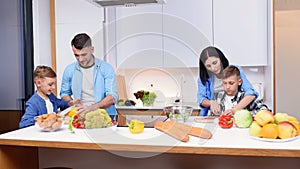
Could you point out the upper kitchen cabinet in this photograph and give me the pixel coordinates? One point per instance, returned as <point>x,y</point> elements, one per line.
<point>187,29</point>
<point>168,35</point>
<point>241,30</point>
<point>139,40</point>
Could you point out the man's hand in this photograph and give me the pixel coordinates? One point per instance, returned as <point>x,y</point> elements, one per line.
<point>85,109</point>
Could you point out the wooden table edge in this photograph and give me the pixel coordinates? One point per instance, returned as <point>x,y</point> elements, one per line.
<point>154,148</point>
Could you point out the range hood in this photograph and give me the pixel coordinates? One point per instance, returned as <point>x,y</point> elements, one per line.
<point>106,3</point>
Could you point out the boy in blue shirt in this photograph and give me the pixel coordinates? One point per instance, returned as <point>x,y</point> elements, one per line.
<point>43,101</point>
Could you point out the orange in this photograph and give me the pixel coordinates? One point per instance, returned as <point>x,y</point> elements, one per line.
<point>269,130</point>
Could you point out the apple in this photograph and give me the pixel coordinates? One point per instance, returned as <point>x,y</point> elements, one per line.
<point>279,117</point>
<point>255,129</point>
<point>292,118</point>
<point>297,125</point>
<point>264,116</point>
<point>286,130</point>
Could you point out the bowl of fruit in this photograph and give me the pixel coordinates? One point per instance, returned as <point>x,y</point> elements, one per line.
<point>49,122</point>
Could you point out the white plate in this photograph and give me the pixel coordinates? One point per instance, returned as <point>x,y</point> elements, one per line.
<point>276,140</point>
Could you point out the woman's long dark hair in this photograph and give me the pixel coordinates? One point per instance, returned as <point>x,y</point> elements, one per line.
<point>205,54</point>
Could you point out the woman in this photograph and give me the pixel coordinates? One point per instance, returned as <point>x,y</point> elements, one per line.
<point>212,62</point>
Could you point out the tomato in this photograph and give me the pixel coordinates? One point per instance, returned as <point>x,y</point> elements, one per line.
<point>78,122</point>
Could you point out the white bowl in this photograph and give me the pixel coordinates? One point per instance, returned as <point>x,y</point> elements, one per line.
<point>49,122</point>
<point>178,112</point>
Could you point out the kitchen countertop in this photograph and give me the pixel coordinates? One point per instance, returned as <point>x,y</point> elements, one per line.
<point>233,141</point>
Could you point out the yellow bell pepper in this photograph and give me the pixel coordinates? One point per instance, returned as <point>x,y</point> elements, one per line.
<point>72,112</point>
<point>136,126</point>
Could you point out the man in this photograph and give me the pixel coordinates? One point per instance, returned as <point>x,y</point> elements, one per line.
<point>90,79</point>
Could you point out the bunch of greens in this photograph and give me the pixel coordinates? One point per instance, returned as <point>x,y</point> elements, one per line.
<point>146,97</point>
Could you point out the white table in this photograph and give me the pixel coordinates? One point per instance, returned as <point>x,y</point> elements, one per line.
<point>119,143</point>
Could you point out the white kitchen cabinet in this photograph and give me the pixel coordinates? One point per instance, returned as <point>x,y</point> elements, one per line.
<point>139,36</point>
<point>168,35</point>
<point>241,30</point>
<point>187,29</point>
<point>174,34</point>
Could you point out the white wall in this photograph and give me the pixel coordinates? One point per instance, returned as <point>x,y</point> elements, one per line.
<point>184,79</point>
<point>72,17</point>
<point>41,32</point>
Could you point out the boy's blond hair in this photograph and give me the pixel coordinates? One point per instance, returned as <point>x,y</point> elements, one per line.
<point>42,72</point>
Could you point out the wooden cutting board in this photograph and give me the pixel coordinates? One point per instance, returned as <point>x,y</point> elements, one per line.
<point>177,131</point>
<point>122,89</point>
<point>181,131</point>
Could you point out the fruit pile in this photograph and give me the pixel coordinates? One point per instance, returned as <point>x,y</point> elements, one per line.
<point>270,126</point>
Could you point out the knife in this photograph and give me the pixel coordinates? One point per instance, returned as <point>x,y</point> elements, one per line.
<point>64,112</point>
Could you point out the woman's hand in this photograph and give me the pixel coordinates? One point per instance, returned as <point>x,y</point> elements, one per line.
<point>215,108</point>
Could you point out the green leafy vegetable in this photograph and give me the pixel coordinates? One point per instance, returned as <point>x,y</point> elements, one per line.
<point>243,118</point>
<point>147,97</point>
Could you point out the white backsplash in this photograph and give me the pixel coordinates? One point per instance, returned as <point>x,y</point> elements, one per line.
<point>175,82</point>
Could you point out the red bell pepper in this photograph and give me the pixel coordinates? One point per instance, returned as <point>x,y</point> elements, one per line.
<point>226,121</point>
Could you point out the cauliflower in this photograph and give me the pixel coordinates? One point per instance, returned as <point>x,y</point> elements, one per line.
<point>97,119</point>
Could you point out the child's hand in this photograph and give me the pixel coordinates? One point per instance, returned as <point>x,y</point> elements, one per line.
<point>228,112</point>
<point>76,102</point>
